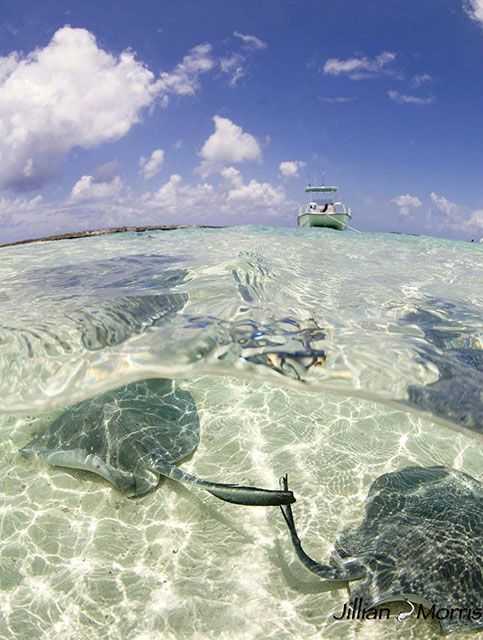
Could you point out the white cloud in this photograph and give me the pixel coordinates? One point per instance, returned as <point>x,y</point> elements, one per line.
<point>233,66</point>
<point>228,144</point>
<point>474,8</point>
<point>8,65</point>
<point>232,176</point>
<point>72,93</point>
<point>167,195</point>
<point>419,79</point>
<point>237,75</point>
<point>88,188</point>
<point>252,42</point>
<point>256,196</point>
<point>184,79</point>
<point>233,197</point>
<point>406,202</point>
<point>175,202</point>
<point>359,68</point>
<point>401,98</point>
<point>176,197</point>
<point>456,216</point>
<point>475,221</point>
<point>12,206</point>
<point>151,166</point>
<point>290,168</point>
<point>22,218</point>
<point>19,217</point>
<point>449,209</point>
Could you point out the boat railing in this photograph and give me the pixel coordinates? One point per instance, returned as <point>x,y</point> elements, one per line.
<point>339,207</point>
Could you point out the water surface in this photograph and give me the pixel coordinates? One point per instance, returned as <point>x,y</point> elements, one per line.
<point>335,357</point>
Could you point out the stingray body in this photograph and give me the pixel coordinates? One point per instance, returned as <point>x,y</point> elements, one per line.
<point>451,344</point>
<point>134,435</point>
<point>421,540</point>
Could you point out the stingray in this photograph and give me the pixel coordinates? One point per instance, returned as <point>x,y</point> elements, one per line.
<point>134,435</point>
<point>450,344</point>
<point>421,540</point>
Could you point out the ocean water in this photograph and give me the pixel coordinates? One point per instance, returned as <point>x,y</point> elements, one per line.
<point>333,357</point>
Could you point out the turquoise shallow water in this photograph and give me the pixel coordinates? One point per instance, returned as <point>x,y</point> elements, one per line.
<point>335,357</point>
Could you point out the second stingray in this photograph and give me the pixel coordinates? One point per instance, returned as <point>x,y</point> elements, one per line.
<point>133,435</point>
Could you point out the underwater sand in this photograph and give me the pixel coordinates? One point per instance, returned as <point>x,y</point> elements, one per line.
<point>79,560</point>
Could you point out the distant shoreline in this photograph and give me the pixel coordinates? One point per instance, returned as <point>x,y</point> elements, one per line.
<point>102,232</point>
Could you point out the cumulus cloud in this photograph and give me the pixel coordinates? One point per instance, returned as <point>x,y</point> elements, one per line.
<point>167,195</point>
<point>175,196</point>
<point>232,176</point>
<point>474,8</point>
<point>256,195</point>
<point>290,168</point>
<point>22,218</point>
<point>233,196</point>
<point>227,145</point>
<point>151,166</point>
<point>445,214</point>
<point>455,216</point>
<point>406,202</point>
<point>359,68</point>
<point>232,199</point>
<point>475,221</point>
<point>20,215</point>
<point>449,209</point>
<point>401,98</point>
<point>11,206</point>
<point>88,188</point>
<point>72,93</point>
<point>251,42</point>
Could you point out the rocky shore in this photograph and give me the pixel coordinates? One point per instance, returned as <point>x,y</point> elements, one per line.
<point>101,232</point>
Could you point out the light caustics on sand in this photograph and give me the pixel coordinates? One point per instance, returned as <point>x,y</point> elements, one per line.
<point>335,357</point>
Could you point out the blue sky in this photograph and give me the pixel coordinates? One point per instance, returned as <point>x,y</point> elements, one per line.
<point>220,112</point>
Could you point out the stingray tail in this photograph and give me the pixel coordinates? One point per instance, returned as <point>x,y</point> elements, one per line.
<point>327,572</point>
<point>234,493</point>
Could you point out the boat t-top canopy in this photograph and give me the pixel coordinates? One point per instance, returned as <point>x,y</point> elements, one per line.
<point>320,189</point>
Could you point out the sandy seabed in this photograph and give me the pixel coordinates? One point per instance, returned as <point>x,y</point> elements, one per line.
<point>80,561</point>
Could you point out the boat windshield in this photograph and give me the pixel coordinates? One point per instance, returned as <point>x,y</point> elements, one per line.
<point>326,200</point>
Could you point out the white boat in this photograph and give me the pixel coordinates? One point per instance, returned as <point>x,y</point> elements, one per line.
<point>323,211</point>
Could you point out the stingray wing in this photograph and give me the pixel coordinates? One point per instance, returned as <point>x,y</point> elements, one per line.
<point>115,434</point>
<point>422,540</point>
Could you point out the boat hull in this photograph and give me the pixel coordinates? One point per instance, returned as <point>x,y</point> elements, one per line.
<point>331,221</point>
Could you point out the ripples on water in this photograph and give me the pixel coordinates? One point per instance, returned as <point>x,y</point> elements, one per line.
<point>331,356</point>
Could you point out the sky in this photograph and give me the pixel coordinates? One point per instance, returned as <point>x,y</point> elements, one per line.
<point>220,112</point>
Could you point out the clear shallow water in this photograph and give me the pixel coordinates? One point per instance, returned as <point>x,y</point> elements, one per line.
<point>241,317</point>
